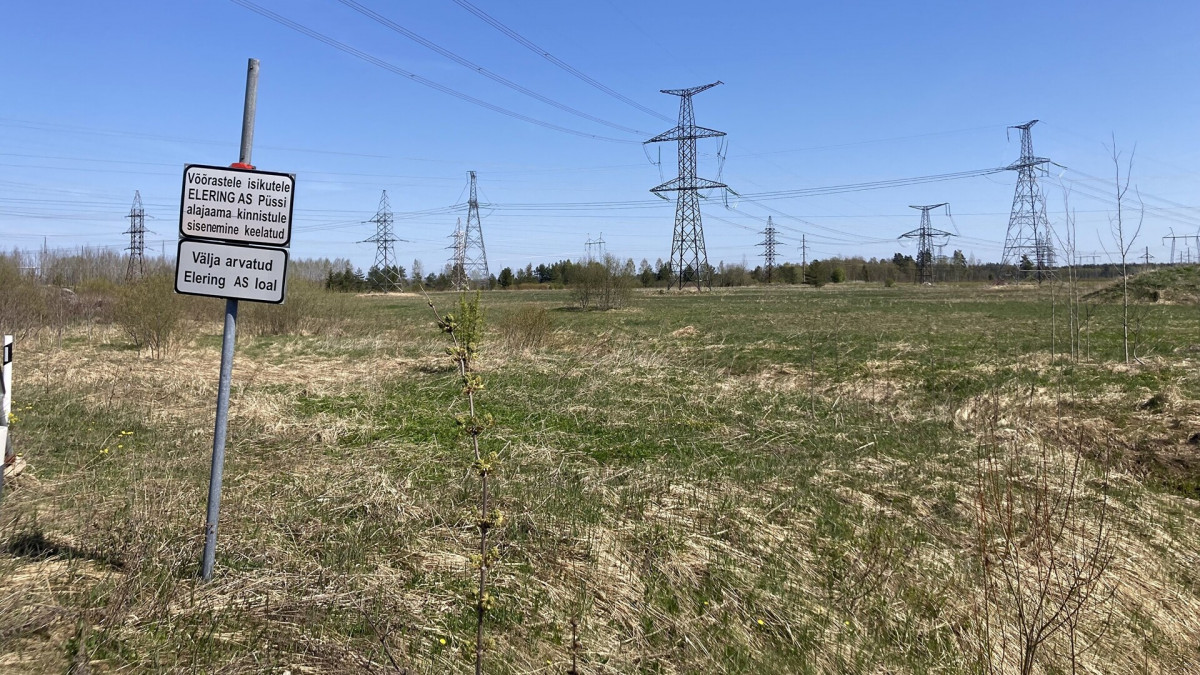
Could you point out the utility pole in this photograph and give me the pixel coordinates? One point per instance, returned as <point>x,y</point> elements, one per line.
<point>594,249</point>
<point>385,273</point>
<point>689,259</point>
<point>1177,237</point>
<point>136,268</point>
<point>475,266</point>
<point>458,276</point>
<point>1028,234</point>
<point>925,235</point>
<point>768,245</point>
<point>1147,257</point>
<point>803,255</point>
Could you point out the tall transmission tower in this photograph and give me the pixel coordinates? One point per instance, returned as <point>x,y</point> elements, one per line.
<point>385,272</point>
<point>803,253</point>
<point>768,245</point>
<point>458,259</point>
<point>136,268</point>
<point>1027,245</point>
<point>689,260</point>
<point>925,234</point>
<point>475,265</point>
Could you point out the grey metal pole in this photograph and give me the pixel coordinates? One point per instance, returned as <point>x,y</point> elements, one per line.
<point>227,343</point>
<point>248,112</point>
<point>6,345</point>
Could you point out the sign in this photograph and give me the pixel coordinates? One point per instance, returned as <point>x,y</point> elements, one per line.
<point>6,453</point>
<point>236,205</point>
<point>231,271</point>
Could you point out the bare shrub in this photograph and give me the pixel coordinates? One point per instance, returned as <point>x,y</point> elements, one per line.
<point>150,313</point>
<point>602,285</point>
<point>23,304</point>
<point>525,328</point>
<point>1044,547</point>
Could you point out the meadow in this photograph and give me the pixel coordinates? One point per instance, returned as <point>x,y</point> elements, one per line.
<point>848,479</point>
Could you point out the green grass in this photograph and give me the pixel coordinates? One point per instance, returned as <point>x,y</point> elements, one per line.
<point>673,474</point>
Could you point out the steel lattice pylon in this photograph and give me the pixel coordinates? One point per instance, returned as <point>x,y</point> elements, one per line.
<point>768,244</point>
<point>385,272</point>
<point>1029,237</point>
<point>458,276</point>
<point>925,235</point>
<point>689,260</point>
<point>474,255</point>
<point>136,268</point>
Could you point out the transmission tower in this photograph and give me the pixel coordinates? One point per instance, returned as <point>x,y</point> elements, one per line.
<point>768,245</point>
<point>457,264</point>
<point>136,268</point>
<point>689,260</point>
<point>925,234</point>
<point>385,272</point>
<point>594,249</point>
<point>474,255</point>
<point>1027,245</point>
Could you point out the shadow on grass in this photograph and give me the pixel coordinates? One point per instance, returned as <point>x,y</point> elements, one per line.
<point>34,545</point>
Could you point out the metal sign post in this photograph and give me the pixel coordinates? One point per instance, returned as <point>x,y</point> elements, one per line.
<point>227,343</point>
<point>6,451</point>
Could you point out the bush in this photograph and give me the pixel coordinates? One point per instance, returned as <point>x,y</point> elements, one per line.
<point>602,285</point>
<point>23,304</point>
<point>150,312</point>
<point>308,309</point>
<point>525,328</point>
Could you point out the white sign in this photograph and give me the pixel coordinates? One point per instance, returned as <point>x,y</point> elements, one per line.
<point>231,271</point>
<point>5,396</point>
<point>236,205</point>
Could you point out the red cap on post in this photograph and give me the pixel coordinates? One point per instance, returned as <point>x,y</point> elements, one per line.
<point>240,165</point>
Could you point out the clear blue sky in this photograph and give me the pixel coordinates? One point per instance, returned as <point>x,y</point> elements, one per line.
<point>101,99</point>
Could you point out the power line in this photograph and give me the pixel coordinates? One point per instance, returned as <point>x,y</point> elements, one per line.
<point>487,18</point>
<point>392,25</point>
<point>358,53</point>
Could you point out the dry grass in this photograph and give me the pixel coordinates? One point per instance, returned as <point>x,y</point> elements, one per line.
<point>658,489</point>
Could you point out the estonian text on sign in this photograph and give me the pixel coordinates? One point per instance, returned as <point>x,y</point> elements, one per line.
<point>231,271</point>
<point>237,205</point>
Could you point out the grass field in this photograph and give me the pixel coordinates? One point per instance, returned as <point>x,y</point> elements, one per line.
<point>759,480</point>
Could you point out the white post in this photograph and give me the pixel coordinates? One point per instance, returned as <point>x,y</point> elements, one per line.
<point>5,405</point>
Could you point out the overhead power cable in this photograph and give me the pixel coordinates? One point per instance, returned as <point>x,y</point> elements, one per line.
<point>871,185</point>
<point>487,18</point>
<point>374,60</point>
<point>392,25</point>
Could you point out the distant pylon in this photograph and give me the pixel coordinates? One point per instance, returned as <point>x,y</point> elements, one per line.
<point>458,257</point>
<point>385,273</point>
<point>475,265</point>
<point>689,260</point>
<point>1028,246</point>
<point>594,248</point>
<point>768,245</point>
<point>136,268</point>
<point>925,235</point>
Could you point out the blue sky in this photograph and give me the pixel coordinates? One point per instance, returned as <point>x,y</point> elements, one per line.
<point>102,99</point>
